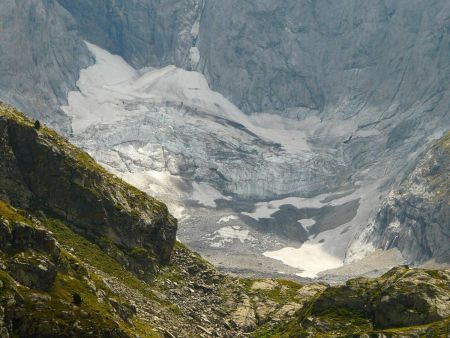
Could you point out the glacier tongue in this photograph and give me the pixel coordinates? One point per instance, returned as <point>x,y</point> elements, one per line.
<point>169,120</point>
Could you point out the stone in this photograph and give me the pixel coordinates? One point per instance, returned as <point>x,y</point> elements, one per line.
<point>125,311</point>
<point>264,309</point>
<point>414,218</point>
<point>37,276</point>
<point>306,292</point>
<point>264,285</point>
<point>244,316</point>
<point>288,310</point>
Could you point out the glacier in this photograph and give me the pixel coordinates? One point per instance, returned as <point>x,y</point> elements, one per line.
<point>166,132</point>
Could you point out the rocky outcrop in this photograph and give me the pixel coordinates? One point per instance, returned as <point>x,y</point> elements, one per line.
<point>34,292</point>
<point>401,298</point>
<point>47,173</point>
<point>415,218</point>
<point>36,259</point>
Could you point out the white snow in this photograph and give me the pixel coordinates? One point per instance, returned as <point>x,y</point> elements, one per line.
<point>169,119</point>
<point>266,209</point>
<point>229,234</point>
<point>226,219</point>
<point>307,223</point>
<point>310,258</point>
<point>194,56</point>
<point>291,134</point>
<point>329,249</point>
<point>206,195</point>
<point>110,83</point>
<point>98,99</point>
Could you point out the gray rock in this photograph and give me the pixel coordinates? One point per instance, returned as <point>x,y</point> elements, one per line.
<point>144,32</point>
<point>415,218</point>
<point>40,59</point>
<point>125,311</point>
<point>413,299</point>
<point>374,72</point>
<point>36,273</point>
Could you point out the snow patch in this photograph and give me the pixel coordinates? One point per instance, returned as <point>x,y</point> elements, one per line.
<point>307,223</point>
<point>310,258</point>
<point>226,219</point>
<point>266,209</point>
<point>206,195</point>
<point>230,234</point>
<point>194,56</point>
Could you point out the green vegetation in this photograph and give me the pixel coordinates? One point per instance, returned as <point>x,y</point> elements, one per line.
<point>444,142</point>
<point>91,254</point>
<point>53,310</point>
<point>283,292</point>
<point>12,214</point>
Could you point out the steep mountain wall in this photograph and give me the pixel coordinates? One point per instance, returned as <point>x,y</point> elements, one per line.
<point>377,69</point>
<point>322,54</point>
<point>41,56</point>
<point>143,32</point>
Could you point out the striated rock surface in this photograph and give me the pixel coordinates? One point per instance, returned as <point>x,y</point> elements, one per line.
<point>143,32</point>
<point>41,55</point>
<point>344,57</point>
<point>415,218</point>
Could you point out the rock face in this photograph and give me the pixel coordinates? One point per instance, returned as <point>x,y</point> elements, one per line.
<point>34,272</point>
<point>39,271</point>
<point>49,173</point>
<point>348,59</point>
<point>323,54</point>
<point>41,58</point>
<point>352,63</point>
<point>144,32</point>
<point>415,218</point>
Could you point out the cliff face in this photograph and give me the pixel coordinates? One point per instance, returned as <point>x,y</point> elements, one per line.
<point>325,57</point>
<point>415,218</point>
<point>377,68</point>
<point>335,57</point>
<point>41,57</point>
<point>368,78</point>
<point>144,32</point>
